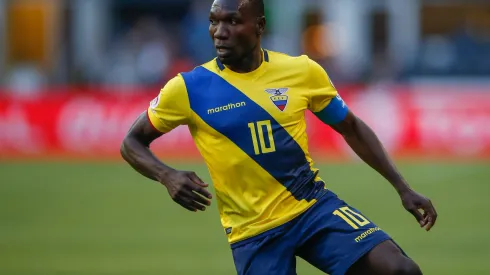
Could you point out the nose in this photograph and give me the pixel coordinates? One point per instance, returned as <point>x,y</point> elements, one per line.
<point>221,32</point>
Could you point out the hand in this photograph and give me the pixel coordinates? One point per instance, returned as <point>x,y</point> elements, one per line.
<point>187,189</point>
<point>414,202</point>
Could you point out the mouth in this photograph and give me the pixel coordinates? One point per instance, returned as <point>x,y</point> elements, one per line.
<point>223,50</point>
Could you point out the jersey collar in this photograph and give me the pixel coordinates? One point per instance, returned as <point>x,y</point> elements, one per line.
<point>223,67</point>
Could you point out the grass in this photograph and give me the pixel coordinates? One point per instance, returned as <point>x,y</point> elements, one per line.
<point>103,218</point>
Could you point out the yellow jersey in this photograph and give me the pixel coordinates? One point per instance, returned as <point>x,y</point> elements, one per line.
<point>250,129</point>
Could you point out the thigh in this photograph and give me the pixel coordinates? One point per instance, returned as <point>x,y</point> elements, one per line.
<point>385,258</point>
<point>338,236</point>
<point>269,255</point>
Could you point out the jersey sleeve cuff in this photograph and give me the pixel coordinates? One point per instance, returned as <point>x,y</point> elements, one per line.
<point>154,122</point>
<point>334,112</point>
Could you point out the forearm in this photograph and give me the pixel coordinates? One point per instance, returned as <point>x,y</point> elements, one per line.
<point>140,157</point>
<point>367,146</point>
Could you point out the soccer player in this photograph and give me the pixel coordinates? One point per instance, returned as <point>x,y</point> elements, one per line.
<point>246,110</point>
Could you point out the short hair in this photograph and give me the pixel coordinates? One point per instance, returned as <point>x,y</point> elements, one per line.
<point>257,6</point>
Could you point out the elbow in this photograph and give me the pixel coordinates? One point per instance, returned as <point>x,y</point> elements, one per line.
<point>130,146</point>
<point>123,149</point>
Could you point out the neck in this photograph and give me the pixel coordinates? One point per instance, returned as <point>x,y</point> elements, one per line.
<point>249,63</point>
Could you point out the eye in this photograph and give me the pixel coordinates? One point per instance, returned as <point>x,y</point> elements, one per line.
<point>213,22</point>
<point>233,21</point>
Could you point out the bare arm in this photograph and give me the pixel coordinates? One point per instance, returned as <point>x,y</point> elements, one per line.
<point>185,187</point>
<point>364,142</point>
<point>367,146</point>
<point>135,149</point>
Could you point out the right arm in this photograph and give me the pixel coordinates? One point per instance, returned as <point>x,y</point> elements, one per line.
<point>184,187</point>
<point>167,111</point>
<point>135,149</point>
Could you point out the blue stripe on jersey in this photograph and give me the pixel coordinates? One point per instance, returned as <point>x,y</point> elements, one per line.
<point>229,111</point>
<point>335,111</point>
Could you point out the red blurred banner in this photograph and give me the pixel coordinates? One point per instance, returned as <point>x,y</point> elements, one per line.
<point>420,122</point>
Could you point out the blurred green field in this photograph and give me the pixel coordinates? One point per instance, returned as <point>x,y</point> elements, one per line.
<point>103,218</point>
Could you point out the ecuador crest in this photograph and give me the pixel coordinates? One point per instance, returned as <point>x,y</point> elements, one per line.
<point>278,97</point>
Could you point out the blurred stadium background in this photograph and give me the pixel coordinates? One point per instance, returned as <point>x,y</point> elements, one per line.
<point>75,73</point>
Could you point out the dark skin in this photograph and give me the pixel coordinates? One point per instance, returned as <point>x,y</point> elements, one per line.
<point>184,187</point>
<point>236,29</point>
<point>364,142</point>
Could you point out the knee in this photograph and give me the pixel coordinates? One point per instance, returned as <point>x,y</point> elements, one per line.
<point>406,267</point>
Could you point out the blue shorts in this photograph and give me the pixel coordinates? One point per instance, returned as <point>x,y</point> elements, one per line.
<point>330,235</point>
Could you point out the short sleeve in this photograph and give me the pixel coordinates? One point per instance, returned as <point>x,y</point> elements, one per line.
<point>325,102</point>
<point>171,107</point>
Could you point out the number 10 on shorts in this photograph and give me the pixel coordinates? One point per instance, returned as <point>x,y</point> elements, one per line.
<point>354,219</point>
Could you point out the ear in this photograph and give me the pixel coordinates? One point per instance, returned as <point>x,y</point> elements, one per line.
<point>260,25</point>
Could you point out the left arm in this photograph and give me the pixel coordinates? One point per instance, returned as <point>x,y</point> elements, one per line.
<point>325,102</point>
<point>364,142</point>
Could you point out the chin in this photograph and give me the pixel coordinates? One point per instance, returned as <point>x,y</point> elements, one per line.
<point>228,59</point>
<point>227,62</point>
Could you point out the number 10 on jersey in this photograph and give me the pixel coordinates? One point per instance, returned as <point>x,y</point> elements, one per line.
<point>260,145</point>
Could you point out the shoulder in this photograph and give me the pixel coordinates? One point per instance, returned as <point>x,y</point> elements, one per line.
<point>301,64</point>
<point>286,59</point>
<point>199,77</point>
<point>199,74</point>
<point>175,85</point>
<point>210,66</point>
